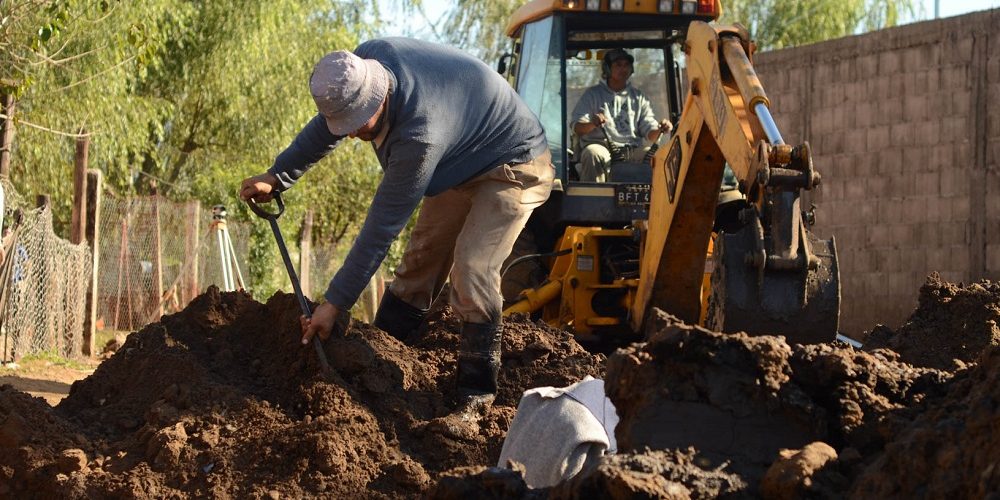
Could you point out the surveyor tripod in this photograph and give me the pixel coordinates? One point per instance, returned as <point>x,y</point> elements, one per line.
<point>232,278</point>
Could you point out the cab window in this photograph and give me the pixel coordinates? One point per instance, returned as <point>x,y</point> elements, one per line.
<point>540,80</point>
<point>583,70</point>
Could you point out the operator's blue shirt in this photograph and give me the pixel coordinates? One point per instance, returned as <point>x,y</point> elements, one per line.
<point>450,118</point>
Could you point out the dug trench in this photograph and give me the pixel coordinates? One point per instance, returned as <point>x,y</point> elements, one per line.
<point>221,400</point>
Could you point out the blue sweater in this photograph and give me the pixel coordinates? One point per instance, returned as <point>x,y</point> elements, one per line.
<point>450,118</point>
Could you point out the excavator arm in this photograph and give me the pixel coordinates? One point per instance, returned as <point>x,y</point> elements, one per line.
<point>770,276</point>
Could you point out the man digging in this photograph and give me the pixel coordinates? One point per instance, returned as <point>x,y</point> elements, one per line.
<point>447,130</point>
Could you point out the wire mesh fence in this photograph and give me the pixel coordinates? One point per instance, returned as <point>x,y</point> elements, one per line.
<point>42,299</point>
<point>153,257</point>
<point>157,255</point>
<point>324,261</point>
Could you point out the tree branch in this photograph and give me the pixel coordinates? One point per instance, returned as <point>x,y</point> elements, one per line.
<point>91,77</point>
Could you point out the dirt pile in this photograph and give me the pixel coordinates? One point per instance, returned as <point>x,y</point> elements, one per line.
<point>739,400</point>
<point>707,415</point>
<point>952,325</point>
<point>222,400</point>
<point>951,450</point>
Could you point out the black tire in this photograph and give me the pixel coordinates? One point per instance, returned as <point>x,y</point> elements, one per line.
<point>524,275</point>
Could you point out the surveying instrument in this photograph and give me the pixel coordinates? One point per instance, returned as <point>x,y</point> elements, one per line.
<point>232,278</point>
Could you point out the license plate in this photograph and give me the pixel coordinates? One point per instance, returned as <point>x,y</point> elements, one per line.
<point>632,195</point>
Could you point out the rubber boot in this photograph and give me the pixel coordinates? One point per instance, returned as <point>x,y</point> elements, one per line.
<point>478,362</point>
<point>397,318</point>
<point>478,367</point>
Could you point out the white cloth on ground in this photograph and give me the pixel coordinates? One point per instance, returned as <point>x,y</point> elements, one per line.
<point>556,432</point>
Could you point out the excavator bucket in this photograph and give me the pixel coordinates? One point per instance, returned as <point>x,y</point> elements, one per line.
<point>801,304</point>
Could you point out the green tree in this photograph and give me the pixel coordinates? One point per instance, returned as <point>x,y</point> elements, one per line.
<point>776,24</point>
<point>236,74</point>
<point>70,65</point>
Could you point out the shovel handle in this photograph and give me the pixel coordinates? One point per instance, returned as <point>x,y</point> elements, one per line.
<point>264,214</point>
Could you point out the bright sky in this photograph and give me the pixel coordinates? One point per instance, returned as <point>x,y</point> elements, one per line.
<point>398,24</point>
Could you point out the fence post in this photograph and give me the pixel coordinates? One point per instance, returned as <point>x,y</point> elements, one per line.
<point>157,256</point>
<point>192,244</point>
<point>78,223</point>
<point>305,254</point>
<point>6,130</point>
<point>92,235</point>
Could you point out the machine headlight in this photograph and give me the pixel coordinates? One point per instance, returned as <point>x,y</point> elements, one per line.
<point>616,4</point>
<point>593,4</point>
<point>666,5</point>
<point>689,7</point>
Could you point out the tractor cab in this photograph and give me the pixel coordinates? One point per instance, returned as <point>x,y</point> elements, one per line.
<point>559,53</point>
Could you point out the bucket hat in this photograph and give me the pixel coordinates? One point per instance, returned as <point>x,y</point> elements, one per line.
<point>348,90</point>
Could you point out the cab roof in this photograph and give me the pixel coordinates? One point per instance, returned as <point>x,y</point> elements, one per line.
<point>538,9</point>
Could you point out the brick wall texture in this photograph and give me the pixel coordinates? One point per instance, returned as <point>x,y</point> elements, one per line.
<point>905,129</point>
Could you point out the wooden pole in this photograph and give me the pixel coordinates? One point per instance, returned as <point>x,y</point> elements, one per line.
<point>92,235</point>
<point>121,274</point>
<point>305,253</point>
<point>6,134</point>
<point>157,256</point>
<point>78,223</point>
<point>129,291</point>
<point>191,247</point>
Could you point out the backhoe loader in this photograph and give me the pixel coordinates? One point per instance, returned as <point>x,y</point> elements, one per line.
<point>598,256</point>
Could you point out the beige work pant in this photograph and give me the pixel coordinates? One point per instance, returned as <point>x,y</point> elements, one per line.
<point>465,233</point>
<point>595,161</point>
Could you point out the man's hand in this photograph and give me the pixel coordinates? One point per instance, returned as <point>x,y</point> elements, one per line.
<point>258,187</point>
<point>582,128</point>
<point>326,319</point>
<point>666,126</point>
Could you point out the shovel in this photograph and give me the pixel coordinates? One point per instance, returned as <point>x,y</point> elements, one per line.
<point>272,218</point>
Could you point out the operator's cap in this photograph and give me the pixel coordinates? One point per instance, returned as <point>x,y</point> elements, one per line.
<point>348,90</point>
<point>615,54</point>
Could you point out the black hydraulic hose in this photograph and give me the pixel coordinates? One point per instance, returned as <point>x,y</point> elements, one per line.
<point>525,258</point>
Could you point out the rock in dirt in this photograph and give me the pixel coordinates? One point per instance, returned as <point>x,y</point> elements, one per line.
<point>791,475</point>
<point>652,474</point>
<point>462,483</point>
<point>71,460</point>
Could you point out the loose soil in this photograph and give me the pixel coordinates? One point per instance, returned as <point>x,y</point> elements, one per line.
<point>221,400</point>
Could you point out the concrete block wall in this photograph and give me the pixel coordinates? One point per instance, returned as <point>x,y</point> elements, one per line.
<point>904,125</point>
